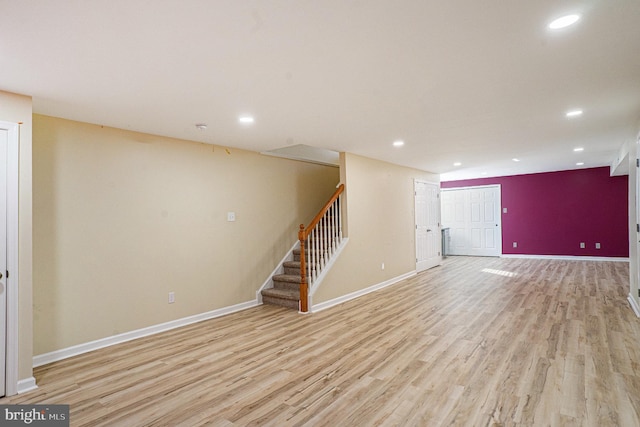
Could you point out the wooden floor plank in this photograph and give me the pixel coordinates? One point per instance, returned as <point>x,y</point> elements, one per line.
<point>476,341</point>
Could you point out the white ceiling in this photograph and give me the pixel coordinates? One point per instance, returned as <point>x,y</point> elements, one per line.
<point>476,82</point>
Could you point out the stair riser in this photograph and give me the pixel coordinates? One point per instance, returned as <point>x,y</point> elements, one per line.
<point>286,285</point>
<point>297,270</point>
<point>292,270</point>
<point>281,302</point>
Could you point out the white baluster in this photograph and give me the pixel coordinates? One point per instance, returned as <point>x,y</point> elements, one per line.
<point>334,228</point>
<point>337,220</point>
<point>324,241</point>
<point>321,238</point>
<point>316,246</point>
<point>329,233</point>
<point>307,256</point>
<point>340,217</point>
<point>311,257</point>
<point>327,252</point>
<point>329,238</point>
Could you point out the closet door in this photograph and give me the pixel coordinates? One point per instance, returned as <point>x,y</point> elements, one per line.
<point>472,215</point>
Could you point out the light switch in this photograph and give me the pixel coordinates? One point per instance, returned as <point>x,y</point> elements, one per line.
<point>231,216</point>
<point>504,210</point>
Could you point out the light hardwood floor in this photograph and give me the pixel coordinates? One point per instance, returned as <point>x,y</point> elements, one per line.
<point>475,342</point>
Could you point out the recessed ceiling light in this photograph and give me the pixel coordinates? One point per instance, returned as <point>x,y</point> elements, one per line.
<point>246,120</point>
<point>201,126</point>
<point>564,21</point>
<point>457,164</point>
<point>398,143</point>
<point>574,113</point>
<point>579,163</point>
<point>515,160</point>
<point>578,149</point>
<point>483,173</point>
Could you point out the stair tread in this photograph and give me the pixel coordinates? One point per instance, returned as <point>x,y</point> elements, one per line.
<point>291,264</point>
<point>281,293</point>
<point>287,278</point>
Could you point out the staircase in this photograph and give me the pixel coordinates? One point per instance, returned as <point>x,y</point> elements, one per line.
<point>319,243</point>
<point>286,287</point>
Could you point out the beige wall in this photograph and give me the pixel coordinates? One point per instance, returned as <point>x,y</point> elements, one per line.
<point>123,218</point>
<point>380,226</point>
<point>17,109</point>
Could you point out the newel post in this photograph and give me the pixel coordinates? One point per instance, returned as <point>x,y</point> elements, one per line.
<point>304,301</point>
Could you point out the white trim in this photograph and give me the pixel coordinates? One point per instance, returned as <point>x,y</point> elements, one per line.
<point>13,282</point>
<point>328,266</point>
<point>634,236</point>
<point>27,384</point>
<point>278,270</point>
<point>471,187</point>
<point>634,305</point>
<point>437,184</point>
<point>620,165</point>
<point>64,353</point>
<point>327,304</point>
<point>568,257</point>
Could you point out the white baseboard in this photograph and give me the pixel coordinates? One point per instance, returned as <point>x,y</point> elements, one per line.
<point>634,305</point>
<point>324,305</point>
<point>568,257</point>
<point>75,350</point>
<point>26,385</point>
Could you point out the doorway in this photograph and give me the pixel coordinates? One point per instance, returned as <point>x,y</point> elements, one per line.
<point>9,148</point>
<point>474,219</point>
<point>4,145</point>
<point>427,210</point>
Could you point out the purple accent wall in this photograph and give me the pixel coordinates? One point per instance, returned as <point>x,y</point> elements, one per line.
<point>551,213</point>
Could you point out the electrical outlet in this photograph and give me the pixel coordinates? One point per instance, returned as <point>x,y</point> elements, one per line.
<point>582,246</point>
<point>597,245</point>
<point>515,244</point>
<point>172,297</point>
<point>231,216</point>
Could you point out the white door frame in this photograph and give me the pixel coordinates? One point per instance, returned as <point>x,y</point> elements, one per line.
<point>11,347</point>
<point>439,221</point>
<point>636,292</point>
<point>498,218</point>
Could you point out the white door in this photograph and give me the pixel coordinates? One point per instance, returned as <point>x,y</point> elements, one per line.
<point>473,217</point>
<point>454,217</point>
<point>4,144</point>
<point>428,238</point>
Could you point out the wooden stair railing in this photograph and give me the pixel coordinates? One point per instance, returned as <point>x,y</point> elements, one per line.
<point>322,236</point>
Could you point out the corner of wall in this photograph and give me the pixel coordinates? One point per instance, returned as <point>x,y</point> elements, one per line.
<point>379,207</point>
<point>345,202</point>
